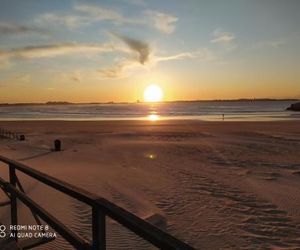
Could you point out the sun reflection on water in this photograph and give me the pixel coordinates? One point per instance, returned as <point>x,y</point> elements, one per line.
<point>153,117</point>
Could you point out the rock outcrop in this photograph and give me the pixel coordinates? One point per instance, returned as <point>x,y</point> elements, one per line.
<point>294,107</point>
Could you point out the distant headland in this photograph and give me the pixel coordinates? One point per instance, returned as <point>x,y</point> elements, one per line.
<point>51,103</point>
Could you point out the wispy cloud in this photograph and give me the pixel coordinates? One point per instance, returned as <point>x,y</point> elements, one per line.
<point>14,28</point>
<point>141,48</point>
<point>133,55</point>
<point>140,57</point>
<point>68,20</point>
<point>126,67</point>
<point>86,14</point>
<point>121,70</point>
<point>147,58</point>
<point>83,15</point>
<point>4,63</point>
<point>74,76</point>
<point>275,44</point>
<point>162,21</point>
<point>112,72</point>
<point>135,2</point>
<point>136,50</point>
<point>53,50</point>
<point>222,37</point>
<point>99,13</point>
<point>201,54</point>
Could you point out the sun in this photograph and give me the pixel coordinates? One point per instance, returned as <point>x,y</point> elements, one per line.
<point>153,93</point>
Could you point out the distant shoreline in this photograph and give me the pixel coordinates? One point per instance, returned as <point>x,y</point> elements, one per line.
<point>51,103</point>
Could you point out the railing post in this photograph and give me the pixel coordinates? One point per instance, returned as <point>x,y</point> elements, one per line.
<point>99,230</point>
<point>13,200</point>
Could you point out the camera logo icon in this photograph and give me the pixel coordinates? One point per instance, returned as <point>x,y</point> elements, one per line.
<point>2,231</point>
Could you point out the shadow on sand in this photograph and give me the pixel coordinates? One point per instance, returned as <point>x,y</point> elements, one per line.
<point>36,156</point>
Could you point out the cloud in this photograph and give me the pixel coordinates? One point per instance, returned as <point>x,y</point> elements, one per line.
<point>74,76</point>
<point>113,72</point>
<point>99,13</point>
<point>53,50</point>
<point>13,28</point>
<point>126,67</point>
<point>118,71</point>
<point>135,55</point>
<point>135,2</point>
<point>272,44</point>
<point>201,54</point>
<point>85,14</point>
<point>220,36</point>
<point>68,20</point>
<point>161,21</point>
<point>4,63</point>
<point>141,48</point>
<point>146,58</point>
<point>136,48</point>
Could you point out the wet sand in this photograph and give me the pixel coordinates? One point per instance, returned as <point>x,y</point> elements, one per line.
<point>215,185</point>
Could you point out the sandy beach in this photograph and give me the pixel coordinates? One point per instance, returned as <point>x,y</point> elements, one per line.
<point>215,185</point>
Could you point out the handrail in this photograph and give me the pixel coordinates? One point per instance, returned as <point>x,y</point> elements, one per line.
<point>101,208</point>
<point>8,134</point>
<point>72,238</point>
<point>69,189</point>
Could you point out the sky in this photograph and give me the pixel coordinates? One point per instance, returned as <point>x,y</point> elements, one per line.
<point>111,50</point>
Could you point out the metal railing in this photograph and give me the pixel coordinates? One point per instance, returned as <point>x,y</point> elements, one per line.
<point>9,135</point>
<point>101,208</point>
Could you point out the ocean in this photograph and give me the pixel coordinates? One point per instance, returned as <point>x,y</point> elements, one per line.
<point>202,110</point>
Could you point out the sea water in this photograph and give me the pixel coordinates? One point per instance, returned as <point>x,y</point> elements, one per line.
<point>200,110</point>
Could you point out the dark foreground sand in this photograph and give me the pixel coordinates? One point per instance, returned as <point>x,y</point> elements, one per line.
<point>216,185</point>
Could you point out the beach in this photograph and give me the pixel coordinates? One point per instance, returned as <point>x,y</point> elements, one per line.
<point>214,185</point>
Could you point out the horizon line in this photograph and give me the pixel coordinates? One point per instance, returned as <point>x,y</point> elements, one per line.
<point>142,102</point>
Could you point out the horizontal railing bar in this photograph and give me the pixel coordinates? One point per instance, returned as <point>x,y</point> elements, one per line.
<point>66,233</point>
<point>140,227</point>
<point>4,203</point>
<point>37,219</point>
<point>73,191</point>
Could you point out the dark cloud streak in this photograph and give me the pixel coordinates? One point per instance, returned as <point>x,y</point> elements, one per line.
<point>54,50</point>
<point>13,28</point>
<point>137,46</point>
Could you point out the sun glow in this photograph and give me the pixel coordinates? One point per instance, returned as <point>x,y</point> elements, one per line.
<point>153,117</point>
<point>153,93</point>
